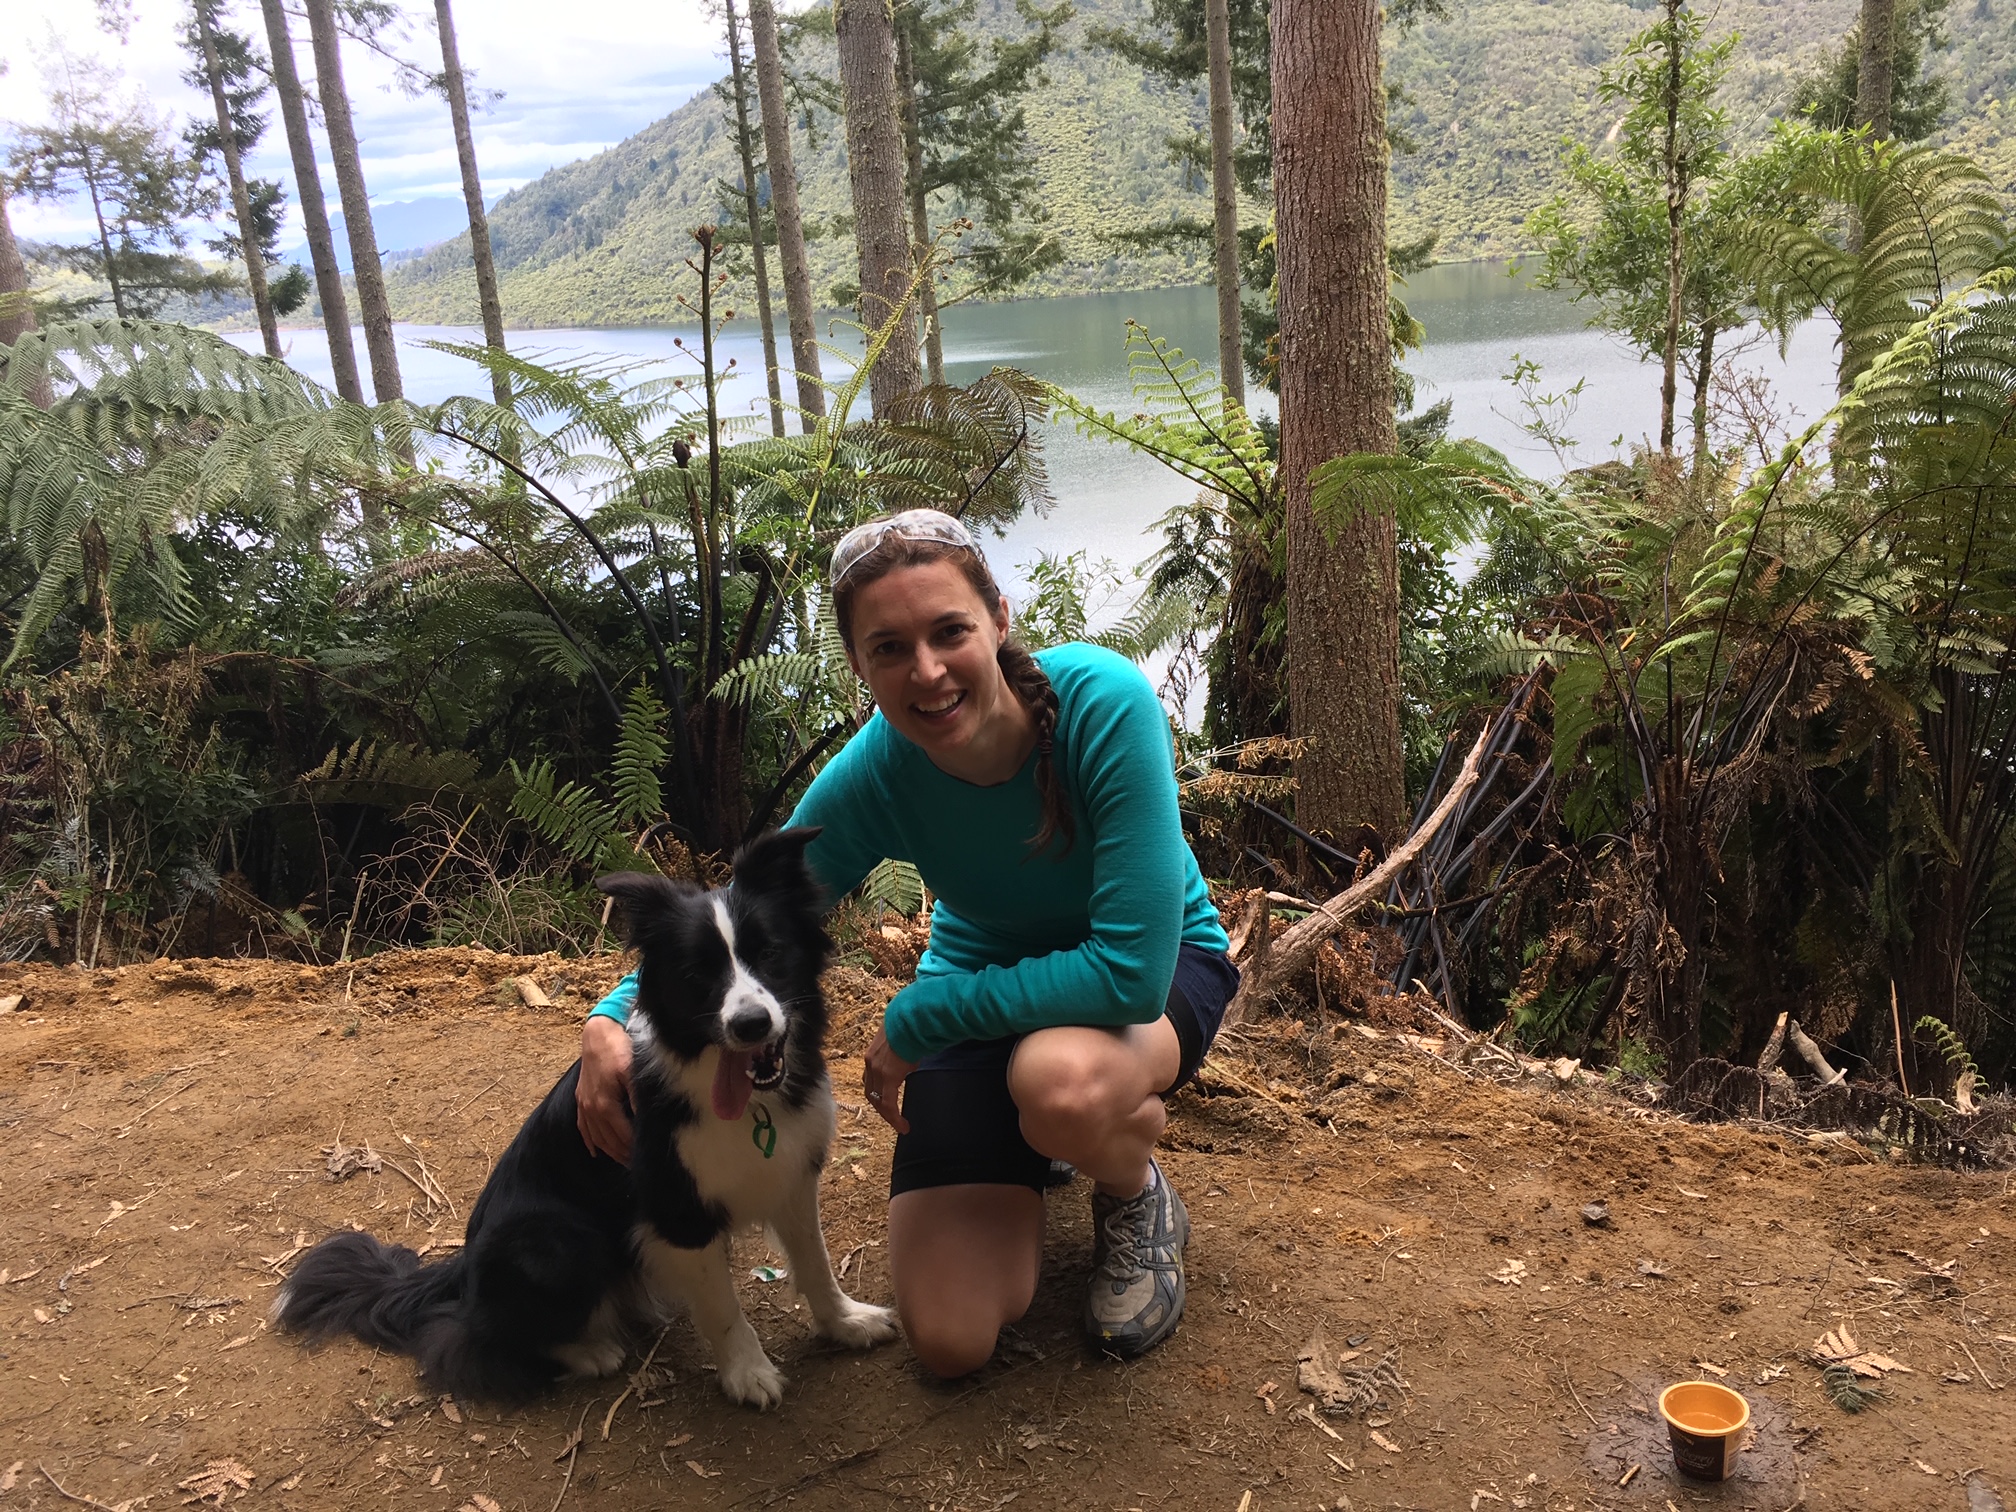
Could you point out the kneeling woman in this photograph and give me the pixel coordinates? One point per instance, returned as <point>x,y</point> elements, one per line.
<point>1076,973</point>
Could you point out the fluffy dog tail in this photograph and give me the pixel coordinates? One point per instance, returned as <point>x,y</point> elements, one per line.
<point>351,1283</point>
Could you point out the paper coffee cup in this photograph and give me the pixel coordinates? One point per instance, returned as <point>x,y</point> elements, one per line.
<point>1709,1425</point>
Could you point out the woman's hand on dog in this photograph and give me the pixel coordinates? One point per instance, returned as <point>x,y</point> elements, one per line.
<point>602,1095</point>
<point>882,1075</point>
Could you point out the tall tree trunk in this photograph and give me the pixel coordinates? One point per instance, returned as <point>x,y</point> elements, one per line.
<point>1224,200</point>
<point>241,202</point>
<point>1676,199</point>
<point>745,141</point>
<point>314,213</point>
<point>17,315</point>
<point>784,206</point>
<point>365,267</point>
<point>1336,397</point>
<point>487,302</point>
<point>866,36</point>
<point>1875,69</point>
<point>1704,375</point>
<point>105,247</point>
<point>920,208</point>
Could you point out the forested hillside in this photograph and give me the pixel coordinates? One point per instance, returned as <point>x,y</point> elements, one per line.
<point>1488,95</point>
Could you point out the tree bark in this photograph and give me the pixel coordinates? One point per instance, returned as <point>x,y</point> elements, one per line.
<point>920,209</point>
<point>314,213</point>
<point>241,202</point>
<point>1336,398</point>
<point>17,317</point>
<point>1224,200</point>
<point>746,144</point>
<point>487,302</point>
<point>1676,200</point>
<point>1704,376</point>
<point>784,206</point>
<point>365,268</point>
<point>866,36</point>
<point>1875,70</point>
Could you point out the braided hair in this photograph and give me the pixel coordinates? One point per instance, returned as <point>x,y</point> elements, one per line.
<point>1025,678</point>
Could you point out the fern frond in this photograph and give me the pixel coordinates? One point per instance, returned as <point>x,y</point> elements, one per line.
<point>641,750</point>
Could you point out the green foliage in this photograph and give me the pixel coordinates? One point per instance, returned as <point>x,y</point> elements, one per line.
<point>641,750</point>
<point>1918,97</point>
<point>120,158</point>
<point>572,817</point>
<point>1951,1046</point>
<point>896,886</point>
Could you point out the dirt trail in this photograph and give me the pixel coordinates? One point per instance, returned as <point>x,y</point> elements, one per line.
<point>161,1136</point>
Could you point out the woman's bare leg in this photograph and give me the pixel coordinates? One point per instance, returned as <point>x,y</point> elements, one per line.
<point>965,1260</point>
<point>1093,1097</point>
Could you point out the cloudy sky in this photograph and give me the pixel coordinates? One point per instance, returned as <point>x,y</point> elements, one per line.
<point>570,88</point>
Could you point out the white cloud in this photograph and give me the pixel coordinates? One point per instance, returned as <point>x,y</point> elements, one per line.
<point>616,66</point>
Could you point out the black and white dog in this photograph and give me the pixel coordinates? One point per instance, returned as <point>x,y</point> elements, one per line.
<point>567,1252</point>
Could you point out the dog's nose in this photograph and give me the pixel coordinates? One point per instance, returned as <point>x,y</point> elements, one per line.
<point>749,1026</point>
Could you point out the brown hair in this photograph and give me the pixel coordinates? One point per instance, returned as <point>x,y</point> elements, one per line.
<point>1024,677</point>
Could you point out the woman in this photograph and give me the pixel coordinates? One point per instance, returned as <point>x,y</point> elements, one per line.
<point>1077,970</point>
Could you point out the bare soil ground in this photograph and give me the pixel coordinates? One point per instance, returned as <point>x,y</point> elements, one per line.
<point>161,1138</point>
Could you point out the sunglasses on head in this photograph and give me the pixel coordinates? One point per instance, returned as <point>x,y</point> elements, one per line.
<point>910,525</point>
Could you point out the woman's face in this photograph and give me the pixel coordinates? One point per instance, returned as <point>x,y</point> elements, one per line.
<point>924,642</point>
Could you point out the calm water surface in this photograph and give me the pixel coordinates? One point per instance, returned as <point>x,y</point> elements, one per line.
<point>1477,316</point>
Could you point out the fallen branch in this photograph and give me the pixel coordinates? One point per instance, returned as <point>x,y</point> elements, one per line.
<point>1810,1053</point>
<point>88,1501</point>
<point>1297,947</point>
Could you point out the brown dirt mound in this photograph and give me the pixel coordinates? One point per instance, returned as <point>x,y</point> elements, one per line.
<point>164,1130</point>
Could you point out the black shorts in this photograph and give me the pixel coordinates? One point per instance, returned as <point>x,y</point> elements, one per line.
<point>964,1126</point>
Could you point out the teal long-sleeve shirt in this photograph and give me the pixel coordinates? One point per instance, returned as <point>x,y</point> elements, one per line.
<point>1019,940</point>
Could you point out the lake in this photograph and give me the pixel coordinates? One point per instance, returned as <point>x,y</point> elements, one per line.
<point>1477,317</point>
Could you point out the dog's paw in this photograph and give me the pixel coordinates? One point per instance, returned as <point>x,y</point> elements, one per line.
<point>593,1358</point>
<point>753,1381</point>
<point>860,1325</point>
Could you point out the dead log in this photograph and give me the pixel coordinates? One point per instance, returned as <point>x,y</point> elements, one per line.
<point>1296,950</point>
<point>1774,1047</point>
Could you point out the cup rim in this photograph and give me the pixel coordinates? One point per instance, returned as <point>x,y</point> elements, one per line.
<point>1734,1428</point>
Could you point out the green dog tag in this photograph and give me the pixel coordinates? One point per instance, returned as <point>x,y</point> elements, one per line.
<point>764,1135</point>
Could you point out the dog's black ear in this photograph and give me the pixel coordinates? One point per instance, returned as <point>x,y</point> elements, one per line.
<point>647,900</point>
<point>775,863</point>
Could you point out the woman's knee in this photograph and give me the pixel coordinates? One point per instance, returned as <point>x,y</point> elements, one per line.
<point>1068,1091</point>
<point>948,1342</point>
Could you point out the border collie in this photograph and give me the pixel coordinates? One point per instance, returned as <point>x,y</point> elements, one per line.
<point>567,1252</point>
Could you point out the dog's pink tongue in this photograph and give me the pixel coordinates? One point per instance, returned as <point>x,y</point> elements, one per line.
<point>732,1086</point>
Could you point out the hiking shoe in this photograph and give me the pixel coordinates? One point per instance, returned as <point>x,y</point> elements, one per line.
<point>1136,1296</point>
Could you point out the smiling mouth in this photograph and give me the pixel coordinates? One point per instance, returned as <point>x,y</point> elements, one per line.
<point>766,1066</point>
<point>944,708</point>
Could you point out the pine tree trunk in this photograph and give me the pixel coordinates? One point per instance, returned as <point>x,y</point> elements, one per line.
<point>1676,198</point>
<point>366,270</point>
<point>920,208</point>
<point>1336,398</point>
<point>867,44</point>
<point>1875,71</point>
<point>314,213</point>
<point>1224,201</point>
<point>487,302</point>
<point>753,213</point>
<point>784,206</point>
<point>241,202</point>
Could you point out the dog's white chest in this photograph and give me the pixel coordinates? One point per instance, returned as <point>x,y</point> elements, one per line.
<point>754,1164</point>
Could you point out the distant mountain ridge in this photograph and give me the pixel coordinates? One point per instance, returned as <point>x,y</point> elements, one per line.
<point>404,228</point>
<point>1487,96</point>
